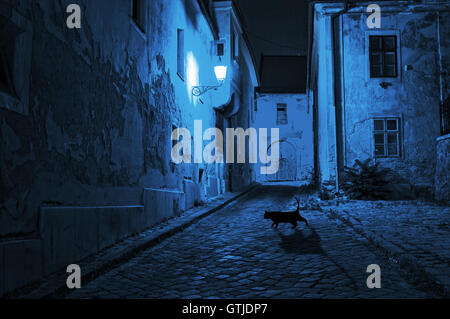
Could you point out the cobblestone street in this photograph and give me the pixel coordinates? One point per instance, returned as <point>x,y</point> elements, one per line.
<point>412,233</point>
<point>234,253</point>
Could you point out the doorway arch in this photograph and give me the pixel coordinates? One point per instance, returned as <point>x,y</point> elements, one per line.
<point>288,162</point>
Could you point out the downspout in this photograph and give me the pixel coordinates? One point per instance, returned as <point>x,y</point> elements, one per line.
<point>309,74</point>
<point>309,89</point>
<point>335,62</point>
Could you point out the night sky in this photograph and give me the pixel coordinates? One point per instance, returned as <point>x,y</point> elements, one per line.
<point>276,27</point>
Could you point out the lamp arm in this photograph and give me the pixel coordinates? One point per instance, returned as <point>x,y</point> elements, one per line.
<point>200,90</point>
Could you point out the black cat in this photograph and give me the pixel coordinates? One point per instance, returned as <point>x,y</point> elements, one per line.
<point>286,217</point>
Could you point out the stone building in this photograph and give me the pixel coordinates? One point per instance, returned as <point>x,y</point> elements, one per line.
<point>380,93</point>
<point>86,120</point>
<point>281,102</point>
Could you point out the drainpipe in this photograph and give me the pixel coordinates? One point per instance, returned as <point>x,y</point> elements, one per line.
<point>309,75</point>
<point>336,120</point>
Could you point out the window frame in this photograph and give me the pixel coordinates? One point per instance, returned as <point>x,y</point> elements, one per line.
<point>391,32</point>
<point>279,120</point>
<point>385,132</point>
<point>382,53</point>
<point>217,44</point>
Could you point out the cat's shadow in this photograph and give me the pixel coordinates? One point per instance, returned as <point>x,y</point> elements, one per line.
<point>301,242</point>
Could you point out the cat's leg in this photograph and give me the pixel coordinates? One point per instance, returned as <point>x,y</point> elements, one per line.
<point>305,221</point>
<point>294,224</point>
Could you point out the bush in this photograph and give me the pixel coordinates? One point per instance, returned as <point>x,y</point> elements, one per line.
<point>366,181</point>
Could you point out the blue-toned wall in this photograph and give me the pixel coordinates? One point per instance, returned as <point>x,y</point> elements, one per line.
<point>413,97</point>
<point>102,105</point>
<point>296,137</point>
<point>95,143</point>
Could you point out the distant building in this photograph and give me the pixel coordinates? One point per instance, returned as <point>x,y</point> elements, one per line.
<point>381,93</point>
<point>86,119</point>
<point>281,102</point>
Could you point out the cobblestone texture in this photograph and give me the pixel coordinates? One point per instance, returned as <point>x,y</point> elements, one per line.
<point>234,253</point>
<point>413,233</point>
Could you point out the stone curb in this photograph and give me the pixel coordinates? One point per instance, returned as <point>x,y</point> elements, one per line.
<point>395,254</point>
<point>54,286</point>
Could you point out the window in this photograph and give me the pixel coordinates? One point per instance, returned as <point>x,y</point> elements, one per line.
<point>139,13</point>
<point>234,45</point>
<point>282,114</point>
<point>387,137</point>
<point>383,56</point>
<point>220,49</point>
<point>180,53</point>
<point>200,174</point>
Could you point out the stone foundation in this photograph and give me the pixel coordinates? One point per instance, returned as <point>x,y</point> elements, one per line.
<point>442,192</point>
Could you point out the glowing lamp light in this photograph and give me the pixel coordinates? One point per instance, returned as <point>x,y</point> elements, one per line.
<point>221,74</point>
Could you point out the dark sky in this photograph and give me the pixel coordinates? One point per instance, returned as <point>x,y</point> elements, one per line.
<point>276,27</point>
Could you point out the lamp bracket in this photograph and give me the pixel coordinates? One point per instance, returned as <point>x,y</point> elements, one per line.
<point>200,90</point>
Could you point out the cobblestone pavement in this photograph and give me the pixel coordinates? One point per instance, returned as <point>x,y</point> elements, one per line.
<point>414,233</point>
<point>234,253</point>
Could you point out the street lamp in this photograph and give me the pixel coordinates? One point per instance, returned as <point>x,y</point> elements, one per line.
<point>221,73</point>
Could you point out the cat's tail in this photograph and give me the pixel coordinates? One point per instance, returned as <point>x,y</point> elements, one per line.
<point>298,204</point>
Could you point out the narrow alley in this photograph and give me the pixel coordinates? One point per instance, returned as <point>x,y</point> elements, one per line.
<point>234,253</point>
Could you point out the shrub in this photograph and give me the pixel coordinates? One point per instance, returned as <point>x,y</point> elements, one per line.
<point>366,181</point>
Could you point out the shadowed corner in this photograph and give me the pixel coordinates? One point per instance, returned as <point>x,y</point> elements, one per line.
<point>301,242</point>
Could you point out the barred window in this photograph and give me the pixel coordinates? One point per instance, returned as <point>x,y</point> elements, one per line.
<point>387,137</point>
<point>383,56</point>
